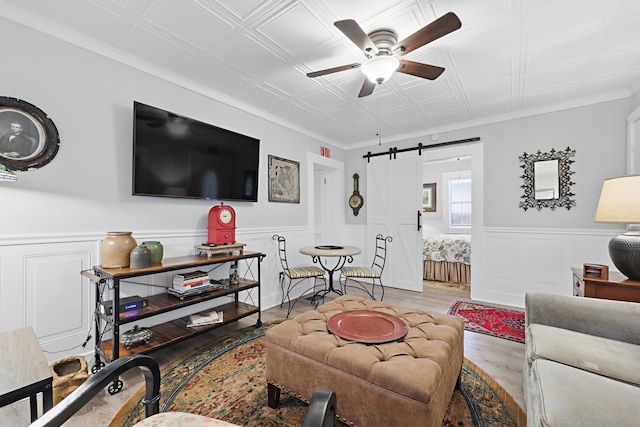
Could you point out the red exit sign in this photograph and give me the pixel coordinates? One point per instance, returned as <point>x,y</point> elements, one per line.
<point>325,152</point>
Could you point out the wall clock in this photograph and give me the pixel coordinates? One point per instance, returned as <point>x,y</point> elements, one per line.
<point>222,225</point>
<point>356,201</point>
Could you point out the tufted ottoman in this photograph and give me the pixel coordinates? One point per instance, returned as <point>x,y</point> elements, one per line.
<point>408,382</point>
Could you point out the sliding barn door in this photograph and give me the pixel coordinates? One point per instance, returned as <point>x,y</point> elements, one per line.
<point>394,198</point>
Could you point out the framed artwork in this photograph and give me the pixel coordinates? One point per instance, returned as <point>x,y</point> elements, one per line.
<point>28,137</point>
<point>284,180</point>
<point>429,197</point>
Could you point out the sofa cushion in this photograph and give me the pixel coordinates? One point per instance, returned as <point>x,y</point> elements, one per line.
<point>614,359</point>
<point>562,396</point>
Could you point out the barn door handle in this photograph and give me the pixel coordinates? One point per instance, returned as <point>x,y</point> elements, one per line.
<point>419,220</point>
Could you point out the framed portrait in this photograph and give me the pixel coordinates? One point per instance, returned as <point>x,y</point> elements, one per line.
<point>28,137</point>
<point>284,180</point>
<point>429,197</point>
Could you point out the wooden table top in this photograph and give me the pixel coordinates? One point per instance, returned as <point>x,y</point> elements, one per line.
<point>330,250</point>
<point>22,362</point>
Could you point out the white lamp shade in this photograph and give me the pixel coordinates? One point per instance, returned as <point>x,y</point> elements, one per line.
<point>620,200</point>
<point>380,68</point>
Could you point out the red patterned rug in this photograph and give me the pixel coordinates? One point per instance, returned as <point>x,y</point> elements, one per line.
<point>494,321</point>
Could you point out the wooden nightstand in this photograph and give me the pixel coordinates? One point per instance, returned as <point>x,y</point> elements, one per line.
<point>617,287</point>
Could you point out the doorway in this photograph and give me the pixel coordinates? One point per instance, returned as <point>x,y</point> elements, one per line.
<point>470,158</point>
<point>325,185</point>
<point>447,224</point>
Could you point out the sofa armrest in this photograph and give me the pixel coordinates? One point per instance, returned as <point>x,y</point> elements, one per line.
<point>616,320</point>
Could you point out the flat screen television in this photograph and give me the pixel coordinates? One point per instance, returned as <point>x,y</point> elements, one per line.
<point>175,156</point>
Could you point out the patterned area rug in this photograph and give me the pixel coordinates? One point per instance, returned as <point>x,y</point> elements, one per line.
<point>226,381</point>
<point>494,321</point>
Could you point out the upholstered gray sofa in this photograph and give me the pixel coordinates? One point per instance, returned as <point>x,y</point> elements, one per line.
<point>582,361</point>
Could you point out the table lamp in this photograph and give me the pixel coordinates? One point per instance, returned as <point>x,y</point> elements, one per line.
<point>620,202</point>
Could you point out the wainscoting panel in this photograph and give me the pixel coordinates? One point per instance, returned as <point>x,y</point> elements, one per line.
<point>54,286</point>
<point>41,285</point>
<point>534,260</point>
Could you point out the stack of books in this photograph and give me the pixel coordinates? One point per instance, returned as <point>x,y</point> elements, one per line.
<point>189,280</point>
<point>192,283</point>
<point>205,319</point>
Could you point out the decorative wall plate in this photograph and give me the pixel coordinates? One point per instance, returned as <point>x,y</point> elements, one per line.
<point>28,137</point>
<point>367,326</point>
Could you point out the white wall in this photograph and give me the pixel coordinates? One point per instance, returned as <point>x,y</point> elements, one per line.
<point>54,217</point>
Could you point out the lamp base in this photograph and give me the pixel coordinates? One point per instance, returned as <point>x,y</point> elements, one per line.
<point>624,251</point>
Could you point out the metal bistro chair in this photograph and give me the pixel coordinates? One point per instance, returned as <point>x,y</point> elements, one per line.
<point>361,275</point>
<point>296,276</point>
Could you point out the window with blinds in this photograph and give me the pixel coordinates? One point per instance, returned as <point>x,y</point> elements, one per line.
<point>460,202</point>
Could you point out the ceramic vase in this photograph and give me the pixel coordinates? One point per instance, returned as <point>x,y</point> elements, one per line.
<point>157,251</point>
<point>140,257</point>
<point>115,249</point>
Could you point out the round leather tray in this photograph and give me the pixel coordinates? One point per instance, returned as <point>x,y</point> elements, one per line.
<point>367,326</point>
<point>329,247</point>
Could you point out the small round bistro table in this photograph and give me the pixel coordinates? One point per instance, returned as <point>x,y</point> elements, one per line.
<point>322,255</point>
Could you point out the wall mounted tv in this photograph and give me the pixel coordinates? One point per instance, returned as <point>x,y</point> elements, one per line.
<point>175,156</point>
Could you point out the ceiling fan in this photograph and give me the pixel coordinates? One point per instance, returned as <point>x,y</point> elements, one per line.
<point>382,49</point>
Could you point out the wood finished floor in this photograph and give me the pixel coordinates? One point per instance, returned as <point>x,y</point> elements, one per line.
<point>500,358</point>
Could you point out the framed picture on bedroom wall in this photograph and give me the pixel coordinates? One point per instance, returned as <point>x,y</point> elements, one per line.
<point>429,197</point>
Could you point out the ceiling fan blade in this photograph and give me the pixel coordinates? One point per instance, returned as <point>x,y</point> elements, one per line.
<point>333,70</point>
<point>438,28</point>
<point>419,69</point>
<point>356,34</point>
<point>367,88</point>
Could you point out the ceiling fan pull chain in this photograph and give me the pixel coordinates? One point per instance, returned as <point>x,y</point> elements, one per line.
<point>378,124</point>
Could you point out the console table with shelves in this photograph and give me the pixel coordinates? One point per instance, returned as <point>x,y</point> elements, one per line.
<point>167,333</point>
<point>616,287</point>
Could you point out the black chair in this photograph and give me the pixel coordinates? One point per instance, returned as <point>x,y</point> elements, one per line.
<point>293,276</point>
<point>82,395</point>
<point>321,411</point>
<point>362,277</point>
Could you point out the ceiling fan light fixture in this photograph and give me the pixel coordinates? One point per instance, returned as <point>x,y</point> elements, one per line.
<point>380,68</point>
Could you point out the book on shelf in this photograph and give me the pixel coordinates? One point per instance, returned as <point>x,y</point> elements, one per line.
<point>191,284</point>
<point>190,274</point>
<point>203,319</point>
<point>196,290</point>
<point>190,279</point>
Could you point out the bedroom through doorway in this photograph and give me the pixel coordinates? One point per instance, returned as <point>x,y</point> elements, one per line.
<point>447,223</point>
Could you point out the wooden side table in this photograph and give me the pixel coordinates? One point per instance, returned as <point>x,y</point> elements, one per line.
<point>616,287</point>
<point>24,371</point>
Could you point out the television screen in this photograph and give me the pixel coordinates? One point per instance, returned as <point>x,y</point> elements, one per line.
<point>175,156</point>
